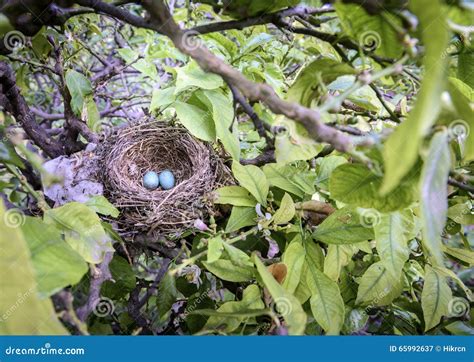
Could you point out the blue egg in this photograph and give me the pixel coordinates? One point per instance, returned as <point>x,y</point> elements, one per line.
<point>167,180</point>
<point>151,180</point>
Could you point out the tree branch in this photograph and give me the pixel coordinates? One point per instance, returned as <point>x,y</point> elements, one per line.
<point>74,125</point>
<point>99,276</point>
<point>267,156</point>
<point>258,123</point>
<point>301,10</point>
<point>17,107</point>
<point>461,185</point>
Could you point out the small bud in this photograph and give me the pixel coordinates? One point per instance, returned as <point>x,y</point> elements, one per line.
<point>200,225</point>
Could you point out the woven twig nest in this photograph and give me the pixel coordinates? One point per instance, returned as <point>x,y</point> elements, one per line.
<point>132,151</point>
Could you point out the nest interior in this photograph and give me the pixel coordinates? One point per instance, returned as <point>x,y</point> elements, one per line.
<point>156,146</point>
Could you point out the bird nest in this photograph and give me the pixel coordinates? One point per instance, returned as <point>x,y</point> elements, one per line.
<point>132,151</point>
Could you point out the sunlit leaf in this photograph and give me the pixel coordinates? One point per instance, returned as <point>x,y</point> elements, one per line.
<point>285,302</point>
<point>55,263</point>
<point>435,297</point>
<point>401,149</point>
<point>286,211</point>
<point>434,194</point>
<point>82,229</point>
<point>23,312</point>
<point>253,179</point>
<point>344,226</point>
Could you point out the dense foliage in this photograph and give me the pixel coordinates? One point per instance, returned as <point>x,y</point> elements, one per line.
<point>348,128</point>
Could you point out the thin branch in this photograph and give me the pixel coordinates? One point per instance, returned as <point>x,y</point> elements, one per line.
<point>462,186</point>
<point>159,275</point>
<point>380,97</point>
<point>99,276</point>
<point>117,13</point>
<point>74,125</point>
<point>258,123</point>
<point>302,11</point>
<point>17,106</point>
<point>266,157</point>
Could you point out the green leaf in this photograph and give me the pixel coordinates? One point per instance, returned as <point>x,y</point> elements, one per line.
<point>253,179</point>
<point>191,75</point>
<point>464,255</point>
<point>162,98</point>
<point>373,32</point>
<point>82,229</point>
<point>167,294</point>
<point>463,96</point>
<point>198,122</point>
<point>228,270</point>
<point>214,249</point>
<point>285,302</point>
<point>102,206</point>
<point>305,87</point>
<point>465,66</point>
<point>8,154</point>
<point>326,302</point>
<point>223,42</point>
<point>222,110</point>
<point>236,255</point>
<point>336,258</point>
<point>401,149</point>
<point>144,66</point>
<point>435,297</point>
<point>234,265</point>
<point>296,145</point>
<point>5,25</point>
<point>314,257</point>
<point>364,97</point>
<point>434,196</point>
<point>287,178</point>
<point>314,254</point>
<point>240,217</point>
<point>343,227</point>
<point>90,114</point>
<point>123,279</point>
<point>40,44</point>
<point>461,212</point>
<point>254,42</point>
<point>286,212</point>
<point>23,312</point>
<point>293,258</point>
<point>377,286</point>
<point>356,184</point>
<point>79,88</point>
<point>55,263</point>
<point>326,166</point>
<point>251,300</point>
<point>235,195</point>
<point>450,274</point>
<point>391,234</point>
